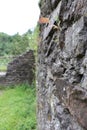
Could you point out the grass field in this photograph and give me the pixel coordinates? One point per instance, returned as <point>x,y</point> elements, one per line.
<point>3,63</point>
<point>3,68</point>
<point>18,108</point>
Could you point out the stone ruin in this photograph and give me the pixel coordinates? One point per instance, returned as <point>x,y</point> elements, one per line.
<point>62,66</point>
<point>20,70</point>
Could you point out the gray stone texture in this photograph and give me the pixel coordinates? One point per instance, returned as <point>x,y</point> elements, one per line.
<point>62,66</point>
<point>20,70</point>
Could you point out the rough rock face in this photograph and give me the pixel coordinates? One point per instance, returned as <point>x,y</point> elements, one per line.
<point>20,70</point>
<point>62,66</point>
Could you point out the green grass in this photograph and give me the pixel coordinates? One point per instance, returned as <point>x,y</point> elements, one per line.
<point>4,62</point>
<point>3,68</point>
<point>18,108</point>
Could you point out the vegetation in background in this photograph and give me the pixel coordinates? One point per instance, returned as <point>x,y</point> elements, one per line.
<point>18,104</point>
<point>4,62</point>
<point>18,108</point>
<point>11,46</point>
<point>33,39</point>
<point>17,44</point>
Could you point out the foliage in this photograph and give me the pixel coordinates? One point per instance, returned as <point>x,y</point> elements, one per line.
<point>4,62</point>
<point>11,46</point>
<point>18,108</point>
<point>33,39</point>
<point>17,44</point>
<point>3,68</point>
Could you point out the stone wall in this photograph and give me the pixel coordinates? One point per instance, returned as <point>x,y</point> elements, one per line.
<point>20,70</point>
<point>62,66</point>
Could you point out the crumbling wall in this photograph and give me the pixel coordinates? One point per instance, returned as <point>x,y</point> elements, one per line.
<point>20,70</point>
<point>62,66</point>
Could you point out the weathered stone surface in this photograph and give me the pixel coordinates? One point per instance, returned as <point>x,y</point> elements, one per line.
<point>78,105</point>
<point>62,67</point>
<point>54,3</point>
<point>76,38</point>
<point>74,98</point>
<point>20,70</point>
<point>54,16</point>
<point>71,11</point>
